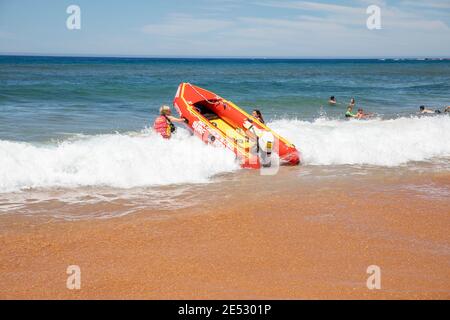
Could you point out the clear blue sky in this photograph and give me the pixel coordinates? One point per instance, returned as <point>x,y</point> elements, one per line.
<point>267,28</point>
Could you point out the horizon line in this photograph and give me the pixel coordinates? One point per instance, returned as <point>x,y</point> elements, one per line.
<point>15,54</point>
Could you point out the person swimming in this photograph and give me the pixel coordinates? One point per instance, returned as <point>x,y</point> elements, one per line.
<point>362,115</point>
<point>332,101</point>
<point>258,116</point>
<point>164,123</point>
<point>349,113</point>
<point>424,110</point>
<point>447,109</point>
<point>352,102</point>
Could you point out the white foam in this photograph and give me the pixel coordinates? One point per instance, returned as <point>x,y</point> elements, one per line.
<point>122,161</point>
<point>145,159</point>
<point>374,142</point>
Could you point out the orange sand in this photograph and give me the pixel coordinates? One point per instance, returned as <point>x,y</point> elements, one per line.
<point>302,242</point>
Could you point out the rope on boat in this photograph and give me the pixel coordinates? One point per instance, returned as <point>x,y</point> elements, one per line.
<point>203,95</point>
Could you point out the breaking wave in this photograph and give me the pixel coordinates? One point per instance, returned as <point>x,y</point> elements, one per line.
<point>373,142</point>
<point>117,160</point>
<point>145,159</point>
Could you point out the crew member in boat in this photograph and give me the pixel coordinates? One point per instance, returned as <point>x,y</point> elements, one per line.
<point>258,116</point>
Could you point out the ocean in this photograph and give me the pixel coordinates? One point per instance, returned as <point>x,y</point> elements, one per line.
<point>80,128</point>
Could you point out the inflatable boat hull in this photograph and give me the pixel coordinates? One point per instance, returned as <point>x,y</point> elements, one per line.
<point>220,122</point>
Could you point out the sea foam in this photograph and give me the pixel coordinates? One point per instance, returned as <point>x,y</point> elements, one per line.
<point>116,160</point>
<point>373,142</point>
<point>145,159</point>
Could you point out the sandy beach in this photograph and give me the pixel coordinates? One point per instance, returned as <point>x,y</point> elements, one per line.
<point>292,239</point>
<point>140,150</point>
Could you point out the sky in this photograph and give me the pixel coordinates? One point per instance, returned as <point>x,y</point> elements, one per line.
<point>226,28</point>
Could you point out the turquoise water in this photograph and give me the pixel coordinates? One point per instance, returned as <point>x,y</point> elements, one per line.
<point>50,98</point>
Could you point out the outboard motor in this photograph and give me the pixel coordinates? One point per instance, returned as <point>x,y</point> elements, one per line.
<point>266,143</point>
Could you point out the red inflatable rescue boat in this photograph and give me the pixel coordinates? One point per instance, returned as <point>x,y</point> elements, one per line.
<point>220,122</point>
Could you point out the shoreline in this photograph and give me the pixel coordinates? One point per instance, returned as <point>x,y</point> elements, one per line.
<point>293,241</point>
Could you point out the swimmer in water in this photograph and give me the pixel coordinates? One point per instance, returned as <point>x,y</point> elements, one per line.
<point>349,113</point>
<point>361,115</point>
<point>424,110</point>
<point>332,101</point>
<point>352,102</point>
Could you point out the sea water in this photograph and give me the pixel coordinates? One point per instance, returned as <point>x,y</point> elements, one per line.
<point>69,122</point>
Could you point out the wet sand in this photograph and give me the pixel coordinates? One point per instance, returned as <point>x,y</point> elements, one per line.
<point>247,238</point>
